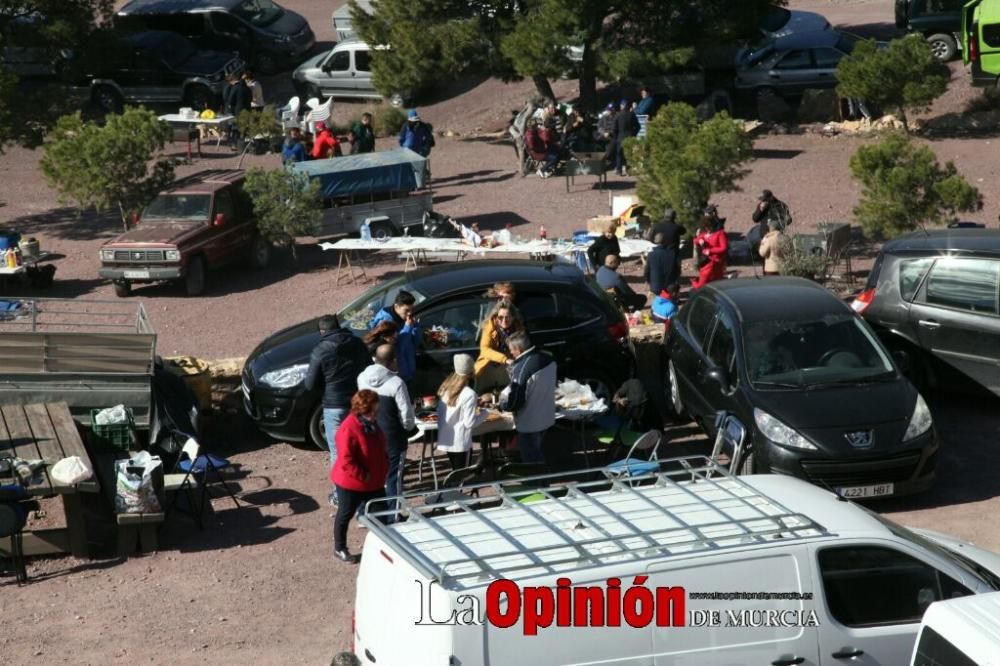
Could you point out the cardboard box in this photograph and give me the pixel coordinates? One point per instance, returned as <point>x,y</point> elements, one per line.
<point>597,225</point>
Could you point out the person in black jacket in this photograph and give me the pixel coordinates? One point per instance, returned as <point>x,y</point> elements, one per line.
<point>603,245</point>
<point>670,233</point>
<point>336,361</point>
<point>663,266</point>
<point>626,126</point>
<point>235,100</point>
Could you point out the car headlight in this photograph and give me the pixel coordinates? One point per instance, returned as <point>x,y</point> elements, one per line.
<point>920,422</point>
<point>285,377</point>
<point>107,255</point>
<point>173,255</point>
<point>778,432</point>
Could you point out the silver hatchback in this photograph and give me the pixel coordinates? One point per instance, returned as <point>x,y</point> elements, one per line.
<point>791,64</point>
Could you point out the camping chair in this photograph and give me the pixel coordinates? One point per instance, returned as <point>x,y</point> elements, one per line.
<point>14,508</point>
<point>201,466</point>
<point>630,465</point>
<point>185,481</point>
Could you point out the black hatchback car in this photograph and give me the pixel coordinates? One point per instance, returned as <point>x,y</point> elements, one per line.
<point>565,312</point>
<point>935,296</point>
<point>817,392</point>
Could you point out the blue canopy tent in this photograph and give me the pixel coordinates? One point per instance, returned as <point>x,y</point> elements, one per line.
<point>400,170</point>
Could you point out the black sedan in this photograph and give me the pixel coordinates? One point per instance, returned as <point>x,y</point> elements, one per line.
<point>818,393</point>
<point>565,312</point>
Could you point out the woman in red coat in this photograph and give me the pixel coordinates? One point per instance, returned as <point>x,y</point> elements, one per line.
<point>713,244</point>
<point>361,467</point>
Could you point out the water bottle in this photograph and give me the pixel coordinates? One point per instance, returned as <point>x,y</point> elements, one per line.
<point>406,232</point>
<point>366,231</point>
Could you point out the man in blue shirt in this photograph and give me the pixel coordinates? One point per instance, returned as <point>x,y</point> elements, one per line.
<point>416,135</point>
<point>609,280</point>
<point>646,105</point>
<point>293,150</point>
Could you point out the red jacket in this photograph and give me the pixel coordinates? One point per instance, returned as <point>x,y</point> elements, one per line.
<point>535,144</point>
<point>324,142</point>
<point>714,244</point>
<point>359,454</point>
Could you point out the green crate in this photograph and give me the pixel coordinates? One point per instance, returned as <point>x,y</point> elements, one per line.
<point>116,435</point>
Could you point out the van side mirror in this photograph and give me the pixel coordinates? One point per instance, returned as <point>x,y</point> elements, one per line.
<point>903,361</point>
<point>220,220</point>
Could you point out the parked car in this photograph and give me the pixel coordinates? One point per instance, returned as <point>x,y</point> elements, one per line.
<point>203,222</point>
<point>960,632</point>
<point>152,66</point>
<point>565,312</point>
<point>802,372</point>
<point>792,64</point>
<point>715,547</point>
<point>23,52</point>
<point>981,41</point>
<point>343,71</point>
<point>933,296</point>
<point>940,21</point>
<point>266,35</point>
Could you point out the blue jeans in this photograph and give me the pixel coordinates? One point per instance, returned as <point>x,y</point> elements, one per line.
<point>530,444</point>
<point>332,416</point>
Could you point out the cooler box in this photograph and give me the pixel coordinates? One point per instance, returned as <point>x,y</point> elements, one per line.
<point>196,375</point>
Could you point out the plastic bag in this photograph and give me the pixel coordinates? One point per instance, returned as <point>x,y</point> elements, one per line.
<point>139,482</point>
<point>70,471</point>
<point>111,416</point>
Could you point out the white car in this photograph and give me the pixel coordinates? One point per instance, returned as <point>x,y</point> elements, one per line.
<point>960,632</point>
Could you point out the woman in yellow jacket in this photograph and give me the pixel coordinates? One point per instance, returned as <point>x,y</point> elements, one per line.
<point>494,356</point>
<point>771,249</point>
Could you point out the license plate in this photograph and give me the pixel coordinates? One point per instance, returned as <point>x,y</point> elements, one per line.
<point>860,492</point>
<point>137,275</point>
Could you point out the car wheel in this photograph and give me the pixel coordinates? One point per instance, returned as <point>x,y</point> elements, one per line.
<point>260,253</point>
<point>943,47</point>
<point>675,391</point>
<point>317,433</point>
<point>381,230</point>
<point>267,63</point>
<point>123,289</point>
<point>194,278</point>
<point>108,99</point>
<point>199,98</point>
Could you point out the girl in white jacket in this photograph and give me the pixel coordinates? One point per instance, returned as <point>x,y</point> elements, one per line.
<point>458,412</point>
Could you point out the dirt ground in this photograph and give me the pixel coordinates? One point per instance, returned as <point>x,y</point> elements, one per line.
<point>259,584</point>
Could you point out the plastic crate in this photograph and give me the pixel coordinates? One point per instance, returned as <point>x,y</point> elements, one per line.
<point>115,435</point>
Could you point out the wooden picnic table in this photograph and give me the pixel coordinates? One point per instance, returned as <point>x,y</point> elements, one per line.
<point>48,432</point>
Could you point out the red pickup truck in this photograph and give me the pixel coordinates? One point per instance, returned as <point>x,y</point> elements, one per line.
<point>202,222</point>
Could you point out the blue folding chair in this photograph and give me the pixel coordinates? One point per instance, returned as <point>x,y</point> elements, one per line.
<point>200,467</point>
<point>631,465</point>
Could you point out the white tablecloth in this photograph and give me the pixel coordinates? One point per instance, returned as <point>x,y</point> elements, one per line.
<point>629,247</point>
<point>178,119</point>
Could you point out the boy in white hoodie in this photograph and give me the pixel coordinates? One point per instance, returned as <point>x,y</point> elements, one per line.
<point>395,411</point>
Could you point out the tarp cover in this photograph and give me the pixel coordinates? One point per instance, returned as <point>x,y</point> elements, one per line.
<point>400,170</point>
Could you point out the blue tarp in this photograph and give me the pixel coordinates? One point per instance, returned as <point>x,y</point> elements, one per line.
<point>400,170</point>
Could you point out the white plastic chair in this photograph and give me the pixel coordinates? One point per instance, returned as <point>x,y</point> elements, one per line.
<point>321,112</point>
<point>289,113</point>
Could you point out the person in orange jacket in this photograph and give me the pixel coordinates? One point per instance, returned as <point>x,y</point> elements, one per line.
<point>711,243</point>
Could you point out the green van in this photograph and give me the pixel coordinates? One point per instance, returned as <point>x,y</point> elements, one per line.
<point>981,40</point>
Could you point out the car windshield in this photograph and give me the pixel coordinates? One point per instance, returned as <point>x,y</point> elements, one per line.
<point>837,349</point>
<point>358,315</point>
<point>174,50</point>
<point>846,42</point>
<point>757,54</point>
<point>178,208</point>
<point>974,569</point>
<point>259,12</point>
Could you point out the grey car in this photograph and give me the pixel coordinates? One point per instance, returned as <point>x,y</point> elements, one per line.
<point>934,296</point>
<point>343,71</point>
<point>791,64</point>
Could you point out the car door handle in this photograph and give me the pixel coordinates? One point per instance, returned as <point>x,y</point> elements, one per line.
<point>847,653</point>
<point>929,323</point>
<point>788,661</point>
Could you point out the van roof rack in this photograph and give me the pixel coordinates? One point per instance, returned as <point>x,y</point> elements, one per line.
<point>591,518</point>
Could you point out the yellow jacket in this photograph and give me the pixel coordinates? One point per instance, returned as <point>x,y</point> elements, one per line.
<point>488,351</point>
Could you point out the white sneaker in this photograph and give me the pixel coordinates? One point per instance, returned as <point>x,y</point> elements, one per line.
<point>541,174</point>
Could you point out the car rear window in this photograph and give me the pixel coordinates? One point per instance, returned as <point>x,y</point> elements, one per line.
<point>775,20</point>
<point>911,274</point>
<point>875,271</point>
<point>965,284</point>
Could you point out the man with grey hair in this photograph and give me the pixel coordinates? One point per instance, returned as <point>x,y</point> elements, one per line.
<point>530,396</point>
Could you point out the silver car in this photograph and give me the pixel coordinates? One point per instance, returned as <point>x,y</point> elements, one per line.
<point>791,64</point>
<point>343,71</point>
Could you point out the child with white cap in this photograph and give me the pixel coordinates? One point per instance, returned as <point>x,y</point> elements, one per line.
<point>458,412</point>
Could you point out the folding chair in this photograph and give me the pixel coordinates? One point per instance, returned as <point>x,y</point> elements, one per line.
<point>633,466</point>
<point>186,482</point>
<point>201,466</point>
<point>730,438</point>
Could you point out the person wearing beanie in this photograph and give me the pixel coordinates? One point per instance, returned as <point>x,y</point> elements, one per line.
<point>458,412</point>
<point>416,135</point>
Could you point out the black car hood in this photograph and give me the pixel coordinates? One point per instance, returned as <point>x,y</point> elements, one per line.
<point>205,63</point>
<point>285,348</point>
<point>826,415</point>
<point>289,24</point>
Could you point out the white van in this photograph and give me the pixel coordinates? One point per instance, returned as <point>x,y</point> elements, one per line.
<point>684,567</point>
<point>960,632</point>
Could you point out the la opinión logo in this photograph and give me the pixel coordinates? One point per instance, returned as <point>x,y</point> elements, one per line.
<point>538,607</point>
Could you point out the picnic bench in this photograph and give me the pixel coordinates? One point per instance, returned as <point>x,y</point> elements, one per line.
<point>47,431</point>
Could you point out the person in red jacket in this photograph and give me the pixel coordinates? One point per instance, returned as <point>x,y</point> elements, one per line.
<point>361,467</point>
<point>325,144</point>
<point>711,243</point>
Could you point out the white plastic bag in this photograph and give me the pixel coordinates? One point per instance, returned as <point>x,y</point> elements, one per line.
<point>139,481</point>
<point>111,416</point>
<point>70,471</point>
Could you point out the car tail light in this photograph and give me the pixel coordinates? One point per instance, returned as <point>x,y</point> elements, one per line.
<point>973,47</point>
<point>863,300</point>
<point>618,331</point>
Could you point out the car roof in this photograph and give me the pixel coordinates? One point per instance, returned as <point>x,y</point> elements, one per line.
<point>206,182</point>
<point>778,298</point>
<point>813,39</point>
<point>175,6</point>
<point>436,280</point>
<point>946,241</point>
<point>970,623</point>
